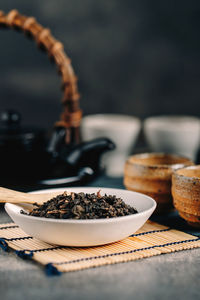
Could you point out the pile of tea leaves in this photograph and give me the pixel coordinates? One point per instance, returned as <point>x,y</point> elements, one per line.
<point>82,206</point>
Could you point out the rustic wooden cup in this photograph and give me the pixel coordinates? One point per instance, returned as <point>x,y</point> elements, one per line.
<point>186,194</point>
<point>150,174</point>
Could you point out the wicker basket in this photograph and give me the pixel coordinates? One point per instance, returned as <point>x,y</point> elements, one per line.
<point>71,115</point>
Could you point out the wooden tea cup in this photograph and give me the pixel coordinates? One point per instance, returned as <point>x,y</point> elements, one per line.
<point>186,194</point>
<point>151,173</point>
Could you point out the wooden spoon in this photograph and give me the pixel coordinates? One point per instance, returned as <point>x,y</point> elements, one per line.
<point>11,196</point>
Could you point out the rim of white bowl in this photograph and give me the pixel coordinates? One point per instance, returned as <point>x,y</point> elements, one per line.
<point>169,121</point>
<point>103,220</point>
<point>94,119</point>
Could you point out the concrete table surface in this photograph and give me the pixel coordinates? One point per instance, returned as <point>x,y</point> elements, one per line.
<point>169,276</point>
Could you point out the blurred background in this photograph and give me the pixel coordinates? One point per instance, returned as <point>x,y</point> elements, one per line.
<point>135,57</point>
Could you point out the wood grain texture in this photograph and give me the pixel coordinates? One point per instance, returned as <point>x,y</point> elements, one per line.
<point>11,196</point>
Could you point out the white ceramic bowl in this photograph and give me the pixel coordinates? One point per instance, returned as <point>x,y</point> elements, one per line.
<point>123,130</point>
<point>86,232</point>
<point>173,134</point>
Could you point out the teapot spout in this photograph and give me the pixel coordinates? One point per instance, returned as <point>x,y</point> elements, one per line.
<point>89,153</point>
<point>64,161</point>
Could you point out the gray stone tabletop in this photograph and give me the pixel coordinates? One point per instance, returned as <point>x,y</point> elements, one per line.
<point>169,276</point>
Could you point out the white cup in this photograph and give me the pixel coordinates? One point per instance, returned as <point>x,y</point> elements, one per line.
<point>173,134</point>
<point>121,129</point>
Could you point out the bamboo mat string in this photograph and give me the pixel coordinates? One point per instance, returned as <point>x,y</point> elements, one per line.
<point>152,239</point>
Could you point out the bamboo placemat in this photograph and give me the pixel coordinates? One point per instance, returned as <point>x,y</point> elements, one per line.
<point>152,239</point>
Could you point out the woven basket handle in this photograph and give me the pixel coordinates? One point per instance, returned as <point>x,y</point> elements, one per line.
<point>71,115</point>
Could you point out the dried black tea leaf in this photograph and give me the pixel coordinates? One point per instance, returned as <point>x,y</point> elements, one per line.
<point>82,206</point>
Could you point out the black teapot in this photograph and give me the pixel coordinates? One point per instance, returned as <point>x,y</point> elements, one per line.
<point>30,156</point>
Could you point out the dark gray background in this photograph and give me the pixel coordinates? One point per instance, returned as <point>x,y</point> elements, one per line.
<point>134,57</point>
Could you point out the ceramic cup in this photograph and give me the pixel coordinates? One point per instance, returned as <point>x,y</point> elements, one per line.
<point>173,134</point>
<point>186,191</point>
<point>121,129</point>
<point>150,173</point>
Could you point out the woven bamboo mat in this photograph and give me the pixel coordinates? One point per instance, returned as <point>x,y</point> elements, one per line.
<point>152,239</point>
